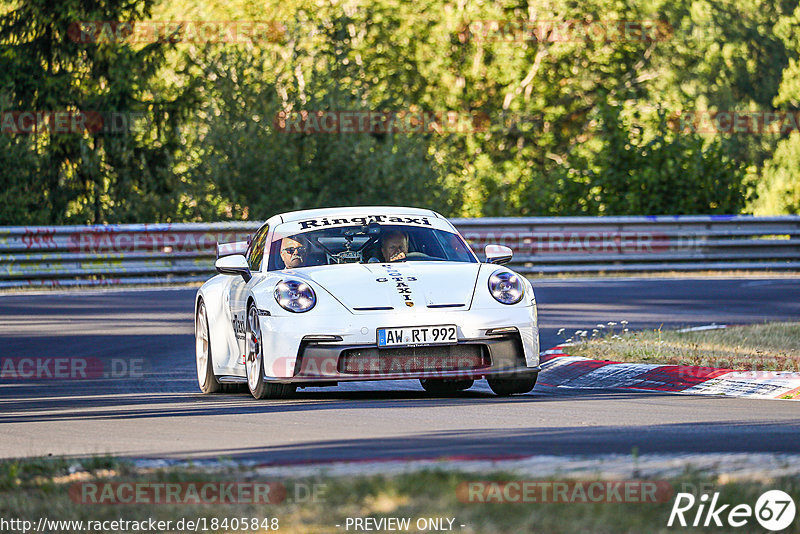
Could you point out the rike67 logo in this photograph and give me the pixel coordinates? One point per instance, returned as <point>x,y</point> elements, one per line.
<point>774,510</point>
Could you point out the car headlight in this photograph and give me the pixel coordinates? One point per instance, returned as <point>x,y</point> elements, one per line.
<point>506,287</point>
<point>295,296</point>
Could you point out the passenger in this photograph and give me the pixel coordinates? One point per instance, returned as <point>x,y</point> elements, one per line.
<point>292,253</point>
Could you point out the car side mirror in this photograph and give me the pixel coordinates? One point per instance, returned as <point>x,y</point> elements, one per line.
<point>498,254</point>
<point>235,264</point>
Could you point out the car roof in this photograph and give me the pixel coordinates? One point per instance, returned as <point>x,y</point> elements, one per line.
<point>350,211</point>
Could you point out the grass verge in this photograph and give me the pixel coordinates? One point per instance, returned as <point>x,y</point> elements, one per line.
<point>758,347</point>
<point>32,489</point>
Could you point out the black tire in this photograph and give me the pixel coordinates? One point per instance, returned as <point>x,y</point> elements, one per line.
<point>206,378</point>
<point>439,386</point>
<point>254,363</point>
<point>205,366</point>
<point>512,386</point>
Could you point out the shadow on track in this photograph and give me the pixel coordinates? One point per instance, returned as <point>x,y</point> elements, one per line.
<point>508,443</point>
<point>110,407</point>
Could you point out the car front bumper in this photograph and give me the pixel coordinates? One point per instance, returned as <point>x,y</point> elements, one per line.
<point>469,359</point>
<point>293,351</point>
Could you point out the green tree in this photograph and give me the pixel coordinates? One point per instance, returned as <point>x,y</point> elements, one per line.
<point>91,177</point>
<point>261,170</point>
<point>672,173</point>
<point>575,123</point>
<point>779,190</point>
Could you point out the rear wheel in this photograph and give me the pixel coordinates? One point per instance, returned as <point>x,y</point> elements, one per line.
<point>439,386</point>
<point>254,363</point>
<point>205,368</point>
<point>512,386</point>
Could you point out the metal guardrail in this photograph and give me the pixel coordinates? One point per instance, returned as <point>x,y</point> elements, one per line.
<point>642,243</point>
<point>113,254</point>
<point>178,253</point>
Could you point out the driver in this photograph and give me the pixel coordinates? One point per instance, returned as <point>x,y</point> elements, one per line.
<point>394,245</point>
<point>292,253</point>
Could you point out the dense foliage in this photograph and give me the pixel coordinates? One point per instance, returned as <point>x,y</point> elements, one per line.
<point>566,120</point>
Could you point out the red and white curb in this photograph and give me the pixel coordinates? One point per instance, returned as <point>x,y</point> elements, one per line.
<point>562,370</point>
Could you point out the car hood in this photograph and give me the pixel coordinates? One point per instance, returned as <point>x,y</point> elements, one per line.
<point>404,286</point>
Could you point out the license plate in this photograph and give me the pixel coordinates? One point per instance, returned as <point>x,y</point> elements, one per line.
<point>417,336</point>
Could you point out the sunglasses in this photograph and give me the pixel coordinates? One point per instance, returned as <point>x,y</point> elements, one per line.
<point>294,250</point>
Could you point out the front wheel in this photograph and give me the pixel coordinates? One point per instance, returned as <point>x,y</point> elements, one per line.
<point>254,363</point>
<point>512,386</point>
<point>445,387</point>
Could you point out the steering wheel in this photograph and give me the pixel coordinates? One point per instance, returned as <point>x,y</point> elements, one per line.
<point>417,256</point>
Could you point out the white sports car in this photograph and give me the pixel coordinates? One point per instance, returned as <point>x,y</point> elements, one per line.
<point>324,296</point>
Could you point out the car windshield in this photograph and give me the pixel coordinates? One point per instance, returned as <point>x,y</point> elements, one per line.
<point>373,243</point>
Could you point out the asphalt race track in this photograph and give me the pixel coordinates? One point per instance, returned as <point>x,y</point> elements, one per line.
<point>163,415</point>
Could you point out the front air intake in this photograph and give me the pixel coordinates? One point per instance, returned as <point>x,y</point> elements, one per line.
<point>372,360</point>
